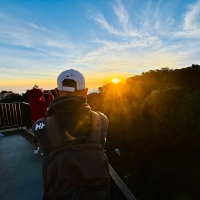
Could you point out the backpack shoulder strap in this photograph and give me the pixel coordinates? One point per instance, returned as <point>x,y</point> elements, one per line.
<point>98,127</point>
<point>53,132</point>
<point>104,128</point>
<point>95,132</point>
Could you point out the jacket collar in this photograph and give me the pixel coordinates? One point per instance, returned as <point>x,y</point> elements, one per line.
<point>67,104</point>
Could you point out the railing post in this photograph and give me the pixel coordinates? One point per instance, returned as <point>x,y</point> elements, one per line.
<point>20,114</point>
<point>3,114</point>
<point>13,110</point>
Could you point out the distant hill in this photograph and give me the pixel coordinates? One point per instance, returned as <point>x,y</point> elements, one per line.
<point>186,78</point>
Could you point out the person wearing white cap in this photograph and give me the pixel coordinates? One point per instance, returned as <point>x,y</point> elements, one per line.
<point>73,139</point>
<point>75,82</point>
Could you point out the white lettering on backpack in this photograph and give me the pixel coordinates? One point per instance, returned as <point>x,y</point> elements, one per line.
<point>40,126</point>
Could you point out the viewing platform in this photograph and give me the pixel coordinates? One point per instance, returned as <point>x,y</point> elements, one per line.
<point>20,169</point>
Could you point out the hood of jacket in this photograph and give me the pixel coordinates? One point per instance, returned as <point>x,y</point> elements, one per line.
<point>73,116</point>
<point>67,105</point>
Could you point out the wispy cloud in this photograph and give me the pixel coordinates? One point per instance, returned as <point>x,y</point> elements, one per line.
<point>123,21</point>
<point>37,27</point>
<point>22,33</point>
<point>122,15</point>
<point>190,27</point>
<point>99,19</point>
<point>192,17</point>
<point>152,31</point>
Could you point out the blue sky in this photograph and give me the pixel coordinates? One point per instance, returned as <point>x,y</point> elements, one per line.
<point>103,39</point>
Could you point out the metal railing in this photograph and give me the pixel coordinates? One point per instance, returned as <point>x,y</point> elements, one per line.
<point>14,115</point>
<point>118,189</point>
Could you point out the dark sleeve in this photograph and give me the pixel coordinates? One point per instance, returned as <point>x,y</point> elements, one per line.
<point>39,130</point>
<point>104,127</point>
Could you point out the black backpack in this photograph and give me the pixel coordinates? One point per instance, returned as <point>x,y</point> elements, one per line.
<point>75,170</point>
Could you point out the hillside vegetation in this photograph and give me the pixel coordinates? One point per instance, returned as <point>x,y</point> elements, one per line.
<point>155,122</point>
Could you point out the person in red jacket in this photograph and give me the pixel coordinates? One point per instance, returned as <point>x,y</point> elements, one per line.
<point>38,106</point>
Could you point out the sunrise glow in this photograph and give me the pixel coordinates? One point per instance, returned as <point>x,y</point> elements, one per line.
<point>101,39</point>
<point>115,80</point>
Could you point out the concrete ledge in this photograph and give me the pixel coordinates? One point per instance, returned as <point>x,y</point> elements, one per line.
<point>26,133</point>
<point>17,130</point>
<point>29,131</point>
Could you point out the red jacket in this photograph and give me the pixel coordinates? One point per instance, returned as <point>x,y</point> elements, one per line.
<point>38,104</point>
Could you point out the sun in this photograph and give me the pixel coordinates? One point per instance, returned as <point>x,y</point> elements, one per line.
<point>115,80</point>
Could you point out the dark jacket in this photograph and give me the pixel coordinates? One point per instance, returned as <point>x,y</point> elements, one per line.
<point>73,117</point>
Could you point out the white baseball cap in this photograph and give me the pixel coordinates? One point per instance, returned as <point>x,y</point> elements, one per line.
<point>77,79</point>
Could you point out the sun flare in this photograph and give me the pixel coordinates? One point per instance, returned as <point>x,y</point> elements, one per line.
<point>115,80</point>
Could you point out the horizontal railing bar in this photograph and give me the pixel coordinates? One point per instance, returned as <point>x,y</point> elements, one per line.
<point>15,102</point>
<point>9,126</point>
